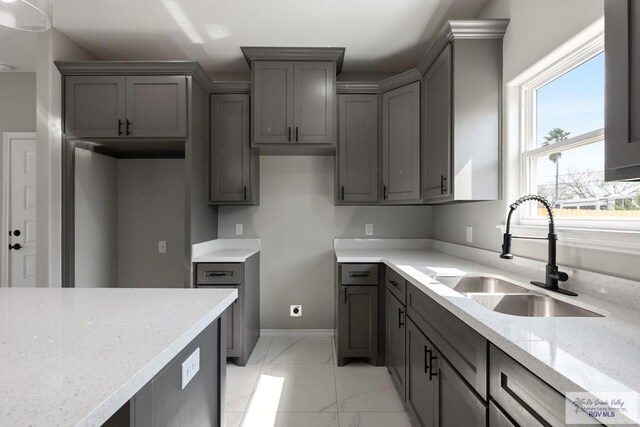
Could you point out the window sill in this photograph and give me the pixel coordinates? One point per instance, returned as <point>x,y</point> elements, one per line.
<point>618,241</point>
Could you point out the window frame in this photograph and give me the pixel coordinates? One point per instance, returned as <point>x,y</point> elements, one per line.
<point>529,151</point>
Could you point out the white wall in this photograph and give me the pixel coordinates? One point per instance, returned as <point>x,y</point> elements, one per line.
<point>536,30</point>
<point>151,208</point>
<point>297,222</point>
<point>96,220</point>
<point>52,46</point>
<point>17,107</point>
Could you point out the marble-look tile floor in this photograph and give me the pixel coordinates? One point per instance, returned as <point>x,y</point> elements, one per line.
<point>295,382</point>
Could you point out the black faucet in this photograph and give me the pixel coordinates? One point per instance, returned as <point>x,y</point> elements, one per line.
<point>553,275</point>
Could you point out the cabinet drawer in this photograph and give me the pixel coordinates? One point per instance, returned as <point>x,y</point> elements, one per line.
<point>524,397</point>
<point>359,274</point>
<point>397,285</point>
<point>219,274</point>
<point>463,347</point>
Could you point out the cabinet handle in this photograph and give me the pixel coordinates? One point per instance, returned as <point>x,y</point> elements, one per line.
<point>358,274</point>
<point>400,313</point>
<point>393,282</point>
<point>128,127</point>
<point>443,184</point>
<point>432,372</point>
<point>119,127</point>
<point>342,190</point>
<point>426,359</point>
<point>245,193</point>
<point>218,273</point>
<point>296,133</point>
<point>289,133</point>
<point>346,296</point>
<point>385,192</point>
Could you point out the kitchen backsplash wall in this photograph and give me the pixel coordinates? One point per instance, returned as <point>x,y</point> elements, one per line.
<point>296,223</point>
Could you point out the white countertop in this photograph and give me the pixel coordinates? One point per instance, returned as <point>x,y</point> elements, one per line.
<point>75,356</point>
<point>225,250</point>
<point>593,354</point>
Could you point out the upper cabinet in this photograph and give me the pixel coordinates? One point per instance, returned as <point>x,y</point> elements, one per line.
<point>357,157</point>
<point>622,106</point>
<point>233,164</point>
<point>126,107</point>
<point>294,96</point>
<point>401,144</point>
<point>461,116</point>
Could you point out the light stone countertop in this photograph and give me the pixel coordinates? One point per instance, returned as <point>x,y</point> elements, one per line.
<point>593,354</point>
<point>225,250</point>
<point>75,356</point>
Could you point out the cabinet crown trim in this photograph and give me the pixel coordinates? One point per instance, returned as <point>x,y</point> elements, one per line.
<point>358,87</point>
<point>260,53</point>
<point>399,80</point>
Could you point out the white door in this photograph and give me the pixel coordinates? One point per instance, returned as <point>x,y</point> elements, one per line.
<point>21,208</point>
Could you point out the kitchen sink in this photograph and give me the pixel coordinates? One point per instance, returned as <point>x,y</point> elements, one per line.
<point>490,285</point>
<point>531,305</point>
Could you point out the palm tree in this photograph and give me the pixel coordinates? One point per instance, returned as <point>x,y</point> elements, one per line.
<point>555,135</point>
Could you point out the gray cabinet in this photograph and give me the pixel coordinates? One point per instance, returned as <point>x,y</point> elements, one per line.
<point>126,106</point>
<point>622,106</point>
<point>357,159</point>
<point>233,164</point>
<point>396,340</point>
<point>462,99</point>
<point>401,144</point>
<point>497,417</point>
<point>294,102</point>
<point>242,318</point>
<point>95,106</point>
<point>436,394</point>
<point>436,137</point>
<point>358,317</point>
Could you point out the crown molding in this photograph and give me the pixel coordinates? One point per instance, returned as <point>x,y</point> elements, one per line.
<point>358,87</point>
<point>230,87</point>
<point>476,29</point>
<point>399,80</point>
<point>264,53</point>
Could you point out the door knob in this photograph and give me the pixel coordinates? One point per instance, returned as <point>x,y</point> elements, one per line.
<point>15,247</point>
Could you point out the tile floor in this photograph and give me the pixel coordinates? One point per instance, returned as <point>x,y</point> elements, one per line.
<point>295,382</point>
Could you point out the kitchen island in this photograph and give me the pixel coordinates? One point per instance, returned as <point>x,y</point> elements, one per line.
<point>79,356</point>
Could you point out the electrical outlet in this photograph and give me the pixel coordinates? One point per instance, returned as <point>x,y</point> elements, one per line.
<point>190,367</point>
<point>162,247</point>
<point>239,229</point>
<point>368,229</point>
<point>295,311</point>
<point>469,234</point>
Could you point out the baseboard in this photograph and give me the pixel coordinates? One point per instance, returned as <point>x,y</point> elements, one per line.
<point>304,333</point>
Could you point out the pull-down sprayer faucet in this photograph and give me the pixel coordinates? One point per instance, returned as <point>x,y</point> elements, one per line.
<point>553,275</point>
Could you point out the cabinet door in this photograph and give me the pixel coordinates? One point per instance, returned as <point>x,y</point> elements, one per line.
<point>622,106</point>
<point>395,333</point>
<point>358,321</point>
<point>401,143</point>
<point>157,106</point>
<point>230,161</point>
<point>234,329</point>
<point>456,402</point>
<point>358,149</point>
<point>94,106</point>
<point>314,102</point>
<point>436,140</point>
<point>421,388</point>
<point>272,102</point>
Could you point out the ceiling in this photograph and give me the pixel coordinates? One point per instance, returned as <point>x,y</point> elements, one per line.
<point>18,49</point>
<point>385,36</point>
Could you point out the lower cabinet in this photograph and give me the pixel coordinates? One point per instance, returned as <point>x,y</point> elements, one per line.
<point>436,394</point>
<point>396,325</point>
<point>358,322</point>
<point>233,316</point>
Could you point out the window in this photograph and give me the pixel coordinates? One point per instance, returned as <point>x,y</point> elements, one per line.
<point>563,144</point>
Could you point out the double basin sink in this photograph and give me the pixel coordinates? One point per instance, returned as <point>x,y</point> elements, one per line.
<point>506,297</point>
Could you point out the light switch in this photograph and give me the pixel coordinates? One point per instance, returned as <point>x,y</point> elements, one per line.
<point>239,229</point>
<point>190,367</point>
<point>162,247</point>
<point>368,229</point>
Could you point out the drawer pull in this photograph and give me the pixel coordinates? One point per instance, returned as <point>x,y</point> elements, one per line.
<point>400,313</point>
<point>358,274</point>
<point>393,282</point>
<point>432,373</point>
<point>426,359</point>
<point>218,273</point>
